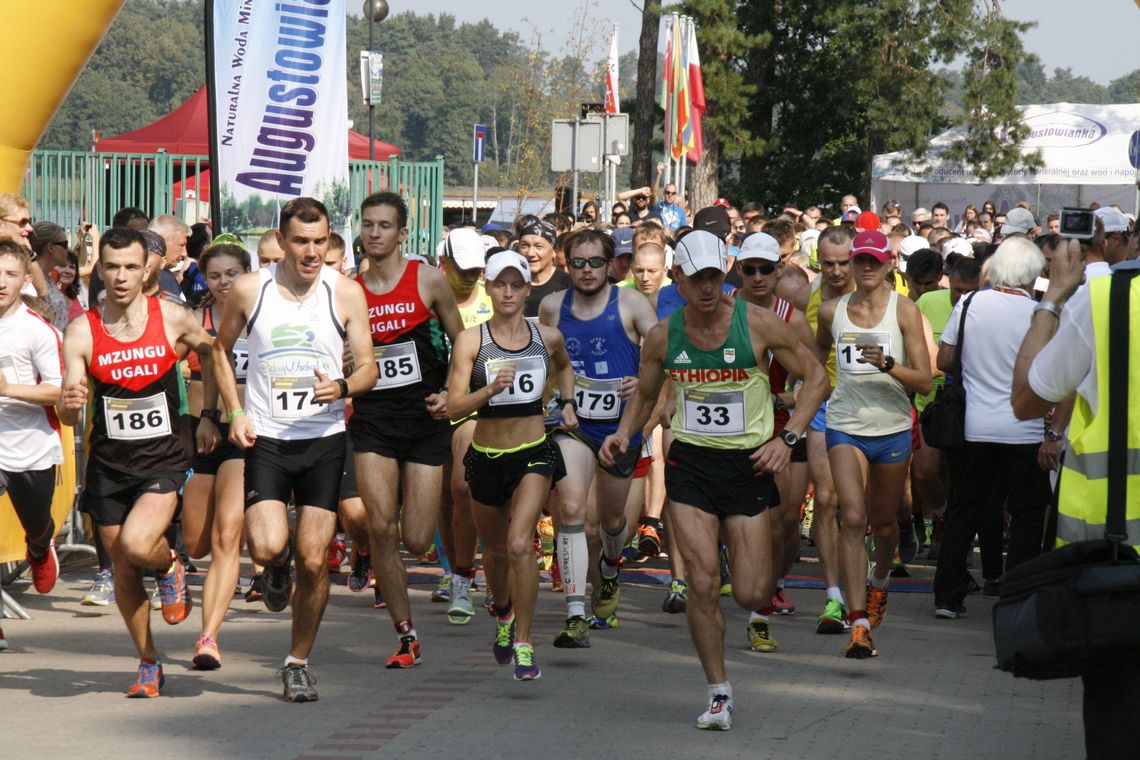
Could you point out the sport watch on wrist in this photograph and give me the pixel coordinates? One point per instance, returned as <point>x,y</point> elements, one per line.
<point>1053,435</point>
<point>888,364</point>
<point>213,415</point>
<point>790,437</point>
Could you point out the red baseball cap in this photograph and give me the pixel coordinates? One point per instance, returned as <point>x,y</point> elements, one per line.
<point>873,243</point>
<point>868,220</point>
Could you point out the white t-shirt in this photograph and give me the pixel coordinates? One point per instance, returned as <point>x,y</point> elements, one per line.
<point>1067,362</point>
<point>29,354</point>
<point>995,326</point>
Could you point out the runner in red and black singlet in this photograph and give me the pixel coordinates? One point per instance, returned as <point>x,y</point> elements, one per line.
<point>130,348</point>
<point>400,430</point>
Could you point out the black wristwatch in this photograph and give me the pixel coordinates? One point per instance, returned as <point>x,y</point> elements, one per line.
<point>213,415</point>
<point>343,387</point>
<point>888,364</point>
<point>564,402</point>
<point>791,438</point>
<point>1053,435</point>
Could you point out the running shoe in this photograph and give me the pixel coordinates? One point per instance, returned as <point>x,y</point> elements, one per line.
<point>860,647</point>
<point>278,583</point>
<point>461,610</point>
<point>489,602</point>
<point>725,575</point>
<point>256,587</point>
<point>718,716</point>
<point>834,617</point>
<point>876,605</point>
<point>300,685</point>
<point>574,635</point>
<point>3,641</point>
<point>950,611</point>
<point>206,654</point>
<point>677,600</point>
<point>648,540</point>
<point>378,599</point>
<point>908,544</point>
<point>150,679</point>
<point>407,656</point>
<point>526,669</point>
<point>338,553</point>
<point>155,598</point>
<point>760,637</point>
<point>102,591</point>
<point>606,594</point>
<point>45,570</point>
<point>174,591</point>
<point>782,605</point>
<point>442,591</point>
<point>359,576</point>
<point>603,624</point>
<point>430,557</point>
<point>504,639</point>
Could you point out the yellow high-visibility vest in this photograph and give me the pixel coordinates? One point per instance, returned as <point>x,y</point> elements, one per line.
<point>1083,498</point>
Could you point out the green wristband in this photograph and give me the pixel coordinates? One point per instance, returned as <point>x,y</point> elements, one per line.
<point>239,412</point>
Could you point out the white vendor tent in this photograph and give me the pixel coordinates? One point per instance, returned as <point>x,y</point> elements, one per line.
<point>1084,149</point>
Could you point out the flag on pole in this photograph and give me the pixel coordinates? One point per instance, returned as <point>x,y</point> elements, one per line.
<point>665,88</point>
<point>613,101</point>
<point>680,90</point>
<point>696,145</point>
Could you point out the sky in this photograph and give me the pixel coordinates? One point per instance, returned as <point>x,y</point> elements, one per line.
<point>1101,48</point>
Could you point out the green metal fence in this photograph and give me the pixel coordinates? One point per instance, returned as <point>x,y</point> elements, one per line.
<point>68,187</point>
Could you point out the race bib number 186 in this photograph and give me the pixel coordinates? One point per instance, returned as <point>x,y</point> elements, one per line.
<point>136,419</point>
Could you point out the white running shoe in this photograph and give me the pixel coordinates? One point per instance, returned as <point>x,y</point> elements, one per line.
<point>719,715</point>
<point>461,610</point>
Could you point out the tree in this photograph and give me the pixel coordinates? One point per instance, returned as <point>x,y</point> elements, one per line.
<point>645,106</point>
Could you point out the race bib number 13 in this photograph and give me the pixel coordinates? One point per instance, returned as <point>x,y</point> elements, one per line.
<point>847,355</point>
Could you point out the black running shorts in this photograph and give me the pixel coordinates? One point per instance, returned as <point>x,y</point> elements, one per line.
<point>418,440</point>
<point>309,471</point>
<point>109,495</point>
<point>493,478</point>
<point>719,482</point>
<point>623,466</point>
<point>208,464</point>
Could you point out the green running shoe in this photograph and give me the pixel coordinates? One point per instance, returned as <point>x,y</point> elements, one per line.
<point>606,595</point>
<point>834,617</point>
<point>574,635</point>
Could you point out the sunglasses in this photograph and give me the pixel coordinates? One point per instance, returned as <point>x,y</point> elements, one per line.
<point>21,222</point>
<point>594,262</point>
<point>749,270</point>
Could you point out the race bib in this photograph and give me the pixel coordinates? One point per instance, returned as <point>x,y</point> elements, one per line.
<point>136,419</point>
<point>292,398</point>
<point>597,399</point>
<point>846,354</point>
<point>241,359</point>
<point>530,380</point>
<point>713,412</point>
<point>399,365</point>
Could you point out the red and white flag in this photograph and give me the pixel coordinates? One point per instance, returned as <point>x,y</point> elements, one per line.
<point>695,142</point>
<point>613,100</point>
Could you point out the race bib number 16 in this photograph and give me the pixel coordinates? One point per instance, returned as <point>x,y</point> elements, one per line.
<point>530,380</point>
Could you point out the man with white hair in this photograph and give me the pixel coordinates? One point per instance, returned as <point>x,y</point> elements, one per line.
<point>175,232</point>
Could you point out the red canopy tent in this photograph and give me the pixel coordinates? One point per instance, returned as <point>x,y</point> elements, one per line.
<point>185,131</point>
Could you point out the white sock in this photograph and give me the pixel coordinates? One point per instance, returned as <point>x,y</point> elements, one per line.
<point>864,622</point>
<point>833,592</point>
<point>877,582</point>
<point>291,660</point>
<point>720,688</point>
<point>754,615</point>
<point>574,559</point>
<point>612,546</point>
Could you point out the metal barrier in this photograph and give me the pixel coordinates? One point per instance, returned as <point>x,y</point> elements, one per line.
<point>67,186</point>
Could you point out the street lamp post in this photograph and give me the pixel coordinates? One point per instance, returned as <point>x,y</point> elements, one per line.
<point>374,10</point>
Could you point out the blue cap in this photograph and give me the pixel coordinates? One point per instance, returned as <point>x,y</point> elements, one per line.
<point>623,241</point>
<point>492,227</point>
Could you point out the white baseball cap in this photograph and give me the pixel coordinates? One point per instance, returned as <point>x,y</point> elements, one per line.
<point>759,245</point>
<point>464,246</point>
<point>1113,220</point>
<point>912,243</point>
<point>699,250</point>
<point>504,260</point>
<point>957,245</point>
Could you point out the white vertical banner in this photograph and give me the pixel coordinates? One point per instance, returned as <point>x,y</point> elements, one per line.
<point>282,108</point>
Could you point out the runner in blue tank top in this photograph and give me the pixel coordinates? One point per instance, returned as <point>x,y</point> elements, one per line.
<point>603,326</point>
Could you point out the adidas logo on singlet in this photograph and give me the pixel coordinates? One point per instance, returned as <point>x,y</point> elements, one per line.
<point>682,358</point>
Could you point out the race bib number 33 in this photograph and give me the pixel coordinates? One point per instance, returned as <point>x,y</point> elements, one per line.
<point>530,380</point>
<point>713,412</point>
<point>136,419</point>
<point>847,355</point>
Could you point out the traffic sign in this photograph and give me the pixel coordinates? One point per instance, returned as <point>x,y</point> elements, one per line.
<point>1134,150</point>
<point>478,143</point>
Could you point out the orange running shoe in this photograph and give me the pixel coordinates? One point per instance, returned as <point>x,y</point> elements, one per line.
<point>149,681</point>
<point>860,647</point>
<point>876,605</point>
<point>407,656</point>
<point>648,540</point>
<point>174,591</point>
